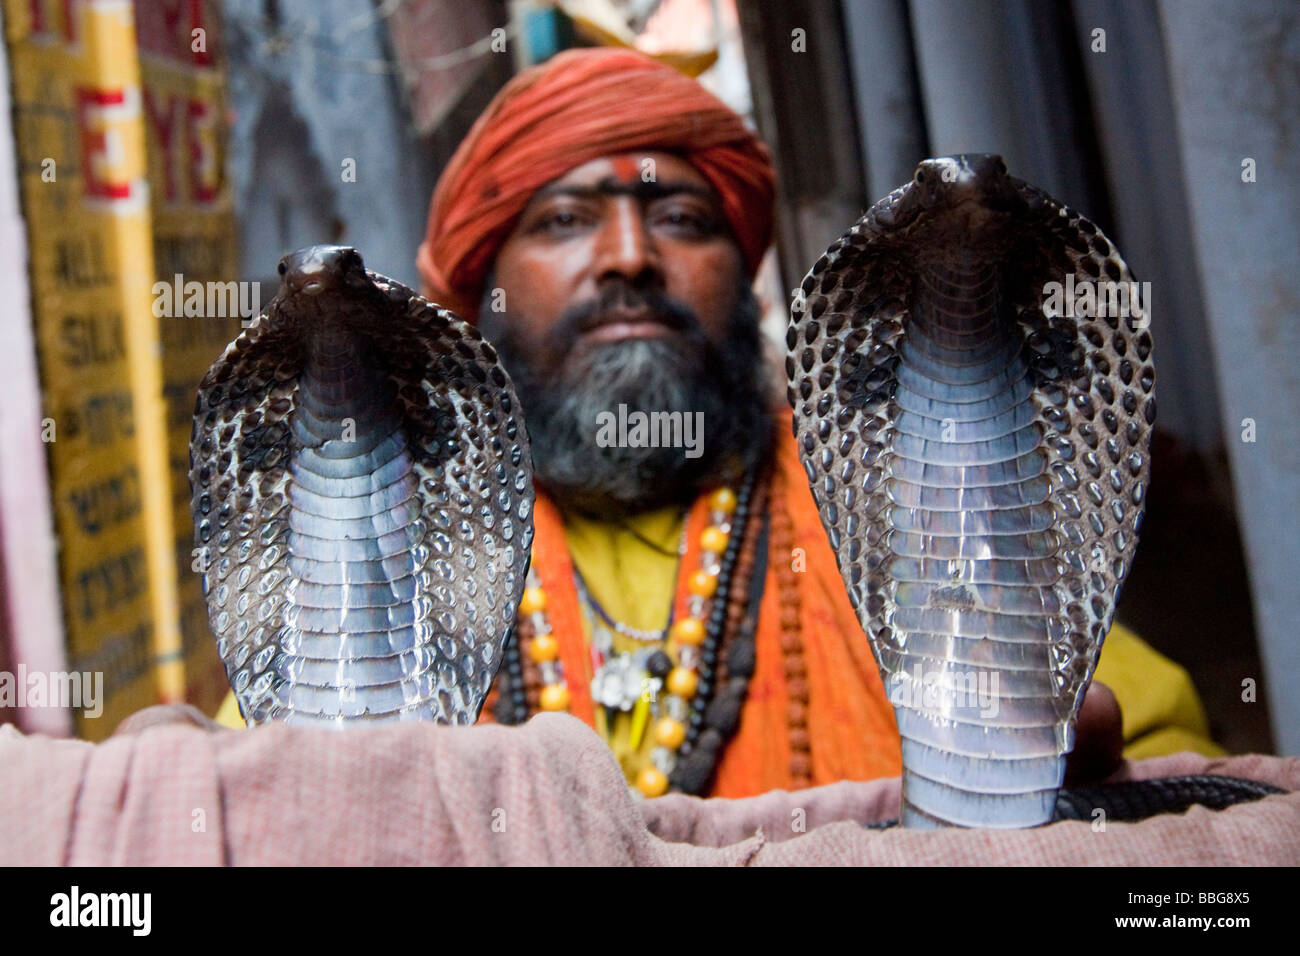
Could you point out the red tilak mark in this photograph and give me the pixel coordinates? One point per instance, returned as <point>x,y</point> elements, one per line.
<point>625,168</point>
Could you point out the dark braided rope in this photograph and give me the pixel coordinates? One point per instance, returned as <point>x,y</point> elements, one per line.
<point>1140,799</point>
<point>1136,800</point>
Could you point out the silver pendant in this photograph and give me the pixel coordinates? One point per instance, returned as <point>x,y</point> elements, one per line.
<point>622,680</point>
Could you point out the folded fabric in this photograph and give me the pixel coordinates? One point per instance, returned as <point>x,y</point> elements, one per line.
<point>171,787</point>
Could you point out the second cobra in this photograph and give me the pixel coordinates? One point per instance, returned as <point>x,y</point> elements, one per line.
<point>978,450</point>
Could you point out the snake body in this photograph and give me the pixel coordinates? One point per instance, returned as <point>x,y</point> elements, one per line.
<point>362,490</point>
<point>362,495</point>
<point>980,465</point>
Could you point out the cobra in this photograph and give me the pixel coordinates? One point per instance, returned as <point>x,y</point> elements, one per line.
<point>362,498</point>
<point>979,456</point>
<point>362,495</point>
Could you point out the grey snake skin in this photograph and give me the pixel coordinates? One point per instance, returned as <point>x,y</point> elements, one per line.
<point>980,467</point>
<point>362,496</point>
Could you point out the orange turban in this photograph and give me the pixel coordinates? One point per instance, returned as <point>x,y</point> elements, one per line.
<point>579,106</point>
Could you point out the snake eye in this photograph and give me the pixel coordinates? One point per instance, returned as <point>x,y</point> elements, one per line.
<point>283,268</point>
<point>920,177</point>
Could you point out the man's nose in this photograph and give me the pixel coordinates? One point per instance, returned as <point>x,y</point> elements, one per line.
<point>625,246</point>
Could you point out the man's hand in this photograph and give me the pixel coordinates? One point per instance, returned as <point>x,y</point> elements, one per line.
<point>1099,738</point>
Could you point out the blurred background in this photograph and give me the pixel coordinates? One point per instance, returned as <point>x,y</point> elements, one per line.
<point>178,141</point>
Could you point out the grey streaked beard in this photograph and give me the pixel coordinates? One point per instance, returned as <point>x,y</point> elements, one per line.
<point>648,375</point>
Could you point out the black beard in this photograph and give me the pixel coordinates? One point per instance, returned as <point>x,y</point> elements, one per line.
<point>686,373</point>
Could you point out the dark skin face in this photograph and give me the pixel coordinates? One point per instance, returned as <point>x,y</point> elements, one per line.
<point>601,228</point>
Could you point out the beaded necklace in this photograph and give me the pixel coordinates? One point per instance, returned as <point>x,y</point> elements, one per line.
<point>680,680</point>
<point>726,654</point>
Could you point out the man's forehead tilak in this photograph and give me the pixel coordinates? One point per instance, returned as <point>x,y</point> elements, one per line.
<point>638,189</point>
<point>624,167</point>
<point>627,180</point>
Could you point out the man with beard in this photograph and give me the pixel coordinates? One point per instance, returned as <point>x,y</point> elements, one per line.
<point>602,223</point>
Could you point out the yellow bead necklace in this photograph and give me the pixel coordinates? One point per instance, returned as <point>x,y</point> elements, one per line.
<point>685,637</point>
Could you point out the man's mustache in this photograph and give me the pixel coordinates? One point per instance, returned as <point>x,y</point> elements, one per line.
<point>612,304</point>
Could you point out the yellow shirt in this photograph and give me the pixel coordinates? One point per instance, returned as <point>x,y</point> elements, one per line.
<point>631,571</point>
<point>1159,707</point>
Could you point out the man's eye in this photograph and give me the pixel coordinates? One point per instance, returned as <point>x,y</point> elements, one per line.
<point>558,222</point>
<point>688,222</point>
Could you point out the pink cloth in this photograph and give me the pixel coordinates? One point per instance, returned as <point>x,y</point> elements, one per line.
<point>172,788</point>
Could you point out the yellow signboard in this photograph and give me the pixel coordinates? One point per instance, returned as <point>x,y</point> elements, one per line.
<point>101,195</point>
<point>193,241</point>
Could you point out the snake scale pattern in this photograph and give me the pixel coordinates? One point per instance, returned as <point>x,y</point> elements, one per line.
<point>362,497</point>
<point>362,490</point>
<point>980,467</point>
